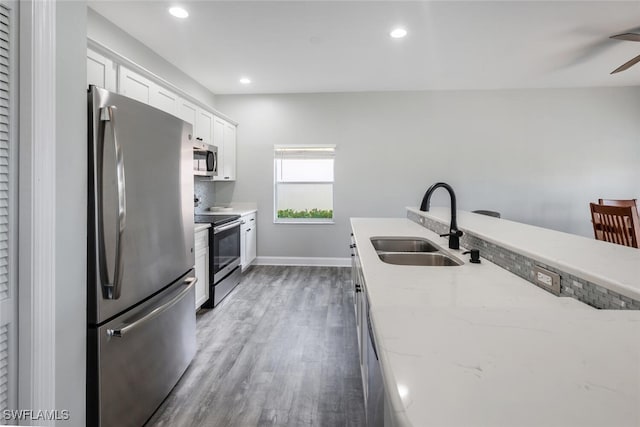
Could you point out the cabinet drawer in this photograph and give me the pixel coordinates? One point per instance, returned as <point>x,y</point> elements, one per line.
<point>249,219</point>
<point>202,239</point>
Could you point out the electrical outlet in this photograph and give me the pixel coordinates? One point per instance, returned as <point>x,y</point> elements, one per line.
<point>547,279</point>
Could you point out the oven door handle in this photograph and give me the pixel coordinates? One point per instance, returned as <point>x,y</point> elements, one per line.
<point>225,227</point>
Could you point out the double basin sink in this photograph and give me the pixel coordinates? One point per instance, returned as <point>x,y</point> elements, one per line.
<point>412,251</point>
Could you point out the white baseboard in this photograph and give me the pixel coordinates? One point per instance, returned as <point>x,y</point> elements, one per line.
<point>305,261</point>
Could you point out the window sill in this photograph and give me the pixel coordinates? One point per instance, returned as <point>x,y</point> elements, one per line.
<point>301,221</point>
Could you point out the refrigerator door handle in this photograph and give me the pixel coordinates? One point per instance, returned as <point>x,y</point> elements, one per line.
<point>113,287</point>
<point>128,327</point>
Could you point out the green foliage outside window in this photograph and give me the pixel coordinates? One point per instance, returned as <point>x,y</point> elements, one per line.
<point>307,213</point>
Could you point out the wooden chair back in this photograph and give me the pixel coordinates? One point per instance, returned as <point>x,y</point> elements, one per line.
<point>619,202</point>
<point>616,224</point>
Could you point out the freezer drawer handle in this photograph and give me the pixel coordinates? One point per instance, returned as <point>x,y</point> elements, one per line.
<point>120,332</point>
<point>112,291</point>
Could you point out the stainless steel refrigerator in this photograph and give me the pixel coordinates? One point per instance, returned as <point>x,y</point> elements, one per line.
<point>140,276</point>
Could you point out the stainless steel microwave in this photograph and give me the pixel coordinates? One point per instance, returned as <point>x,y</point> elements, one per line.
<point>205,159</point>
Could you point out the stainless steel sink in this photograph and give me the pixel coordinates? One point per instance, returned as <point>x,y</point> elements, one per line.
<point>419,258</point>
<point>403,244</point>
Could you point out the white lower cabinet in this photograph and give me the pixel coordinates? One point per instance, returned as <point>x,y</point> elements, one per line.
<point>372,385</point>
<point>248,233</point>
<point>202,266</point>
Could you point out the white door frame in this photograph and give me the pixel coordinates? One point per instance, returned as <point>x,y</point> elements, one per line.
<point>37,206</point>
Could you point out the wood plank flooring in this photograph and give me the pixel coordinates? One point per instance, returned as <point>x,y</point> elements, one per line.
<point>280,350</point>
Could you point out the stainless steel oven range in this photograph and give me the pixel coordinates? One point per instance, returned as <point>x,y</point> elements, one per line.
<point>224,255</point>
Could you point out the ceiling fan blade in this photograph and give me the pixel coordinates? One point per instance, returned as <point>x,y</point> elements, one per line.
<point>626,65</point>
<point>632,37</point>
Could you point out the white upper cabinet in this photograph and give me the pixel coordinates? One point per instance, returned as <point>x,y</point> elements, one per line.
<point>229,151</point>
<point>201,120</point>
<point>164,100</point>
<point>144,90</point>
<point>218,141</point>
<point>207,127</point>
<point>101,71</point>
<point>204,127</point>
<point>218,134</point>
<point>224,137</point>
<point>187,111</point>
<point>135,86</point>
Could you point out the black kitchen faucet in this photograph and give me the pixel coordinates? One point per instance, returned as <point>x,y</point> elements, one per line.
<point>454,234</point>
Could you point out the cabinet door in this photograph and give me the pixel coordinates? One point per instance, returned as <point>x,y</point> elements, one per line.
<point>188,112</point>
<point>243,243</point>
<point>201,245</point>
<point>218,141</point>
<point>201,274</point>
<point>101,71</point>
<point>250,252</point>
<point>204,126</point>
<point>224,137</point>
<point>364,333</point>
<point>229,152</point>
<point>164,99</point>
<point>135,86</point>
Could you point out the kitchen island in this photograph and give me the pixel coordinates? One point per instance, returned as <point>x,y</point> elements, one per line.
<point>477,345</point>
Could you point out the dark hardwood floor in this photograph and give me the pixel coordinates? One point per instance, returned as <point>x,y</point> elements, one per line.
<point>280,350</point>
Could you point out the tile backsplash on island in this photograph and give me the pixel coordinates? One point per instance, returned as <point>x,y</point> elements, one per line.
<point>570,285</point>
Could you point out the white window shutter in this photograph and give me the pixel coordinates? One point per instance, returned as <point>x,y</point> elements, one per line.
<point>8,294</point>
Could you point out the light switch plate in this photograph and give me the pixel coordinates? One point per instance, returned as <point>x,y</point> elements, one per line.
<point>547,279</point>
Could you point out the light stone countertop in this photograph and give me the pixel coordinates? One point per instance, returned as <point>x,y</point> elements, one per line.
<point>200,227</point>
<point>614,267</point>
<point>236,209</point>
<point>476,345</point>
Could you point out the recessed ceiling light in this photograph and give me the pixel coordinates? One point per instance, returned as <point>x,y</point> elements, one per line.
<point>245,81</point>
<point>398,33</point>
<point>178,12</point>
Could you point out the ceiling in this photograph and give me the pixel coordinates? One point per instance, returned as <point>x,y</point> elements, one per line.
<point>344,46</point>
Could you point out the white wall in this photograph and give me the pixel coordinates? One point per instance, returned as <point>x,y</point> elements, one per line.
<point>537,156</point>
<point>71,209</point>
<point>104,31</point>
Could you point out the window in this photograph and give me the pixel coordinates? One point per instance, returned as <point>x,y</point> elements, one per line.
<point>304,183</point>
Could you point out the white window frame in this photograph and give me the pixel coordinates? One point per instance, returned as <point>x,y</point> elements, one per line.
<point>329,148</point>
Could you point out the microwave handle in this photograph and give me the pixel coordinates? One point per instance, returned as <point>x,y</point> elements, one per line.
<point>215,163</point>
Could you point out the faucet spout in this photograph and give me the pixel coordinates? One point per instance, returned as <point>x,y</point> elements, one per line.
<point>454,234</point>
